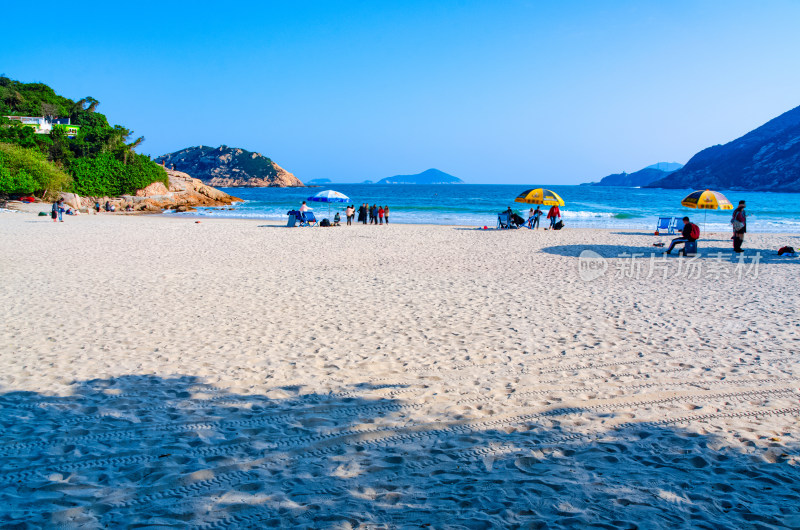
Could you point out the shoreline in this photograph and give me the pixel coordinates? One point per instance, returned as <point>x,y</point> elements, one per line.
<point>45,207</point>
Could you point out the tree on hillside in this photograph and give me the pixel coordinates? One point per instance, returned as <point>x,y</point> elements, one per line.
<point>100,159</point>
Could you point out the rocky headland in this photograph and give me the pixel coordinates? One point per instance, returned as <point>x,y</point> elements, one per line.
<point>184,193</point>
<point>229,167</point>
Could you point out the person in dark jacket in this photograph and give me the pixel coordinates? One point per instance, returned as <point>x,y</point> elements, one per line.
<point>686,235</point>
<point>373,214</point>
<point>739,222</point>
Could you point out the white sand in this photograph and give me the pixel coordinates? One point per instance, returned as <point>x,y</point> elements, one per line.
<point>160,372</point>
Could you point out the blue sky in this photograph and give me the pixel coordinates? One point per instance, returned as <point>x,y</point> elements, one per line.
<point>514,91</point>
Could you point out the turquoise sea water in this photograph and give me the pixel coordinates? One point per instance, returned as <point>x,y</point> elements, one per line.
<point>478,205</point>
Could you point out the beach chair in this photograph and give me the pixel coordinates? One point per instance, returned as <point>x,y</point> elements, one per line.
<point>667,225</point>
<point>503,222</point>
<point>309,219</point>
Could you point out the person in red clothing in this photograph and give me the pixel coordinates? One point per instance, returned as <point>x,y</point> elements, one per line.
<point>554,214</point>
<point>380,214</point>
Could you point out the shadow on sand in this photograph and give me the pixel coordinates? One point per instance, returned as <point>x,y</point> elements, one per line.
<point>714,250</point>
<point>159,452</point>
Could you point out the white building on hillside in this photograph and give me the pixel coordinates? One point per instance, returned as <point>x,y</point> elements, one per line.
<point>44,124</point>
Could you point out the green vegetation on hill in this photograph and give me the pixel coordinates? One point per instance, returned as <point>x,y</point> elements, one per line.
<point>28,171</point>
<point>100,160</point>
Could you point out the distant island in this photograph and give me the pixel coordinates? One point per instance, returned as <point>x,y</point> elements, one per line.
<point>229,167</point>
<point>431,176</point>
<point>318,182</point>
<point>765,159</point>
<point>643,177</point>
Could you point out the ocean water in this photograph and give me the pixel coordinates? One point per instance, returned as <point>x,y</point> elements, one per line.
<point>479,204</point>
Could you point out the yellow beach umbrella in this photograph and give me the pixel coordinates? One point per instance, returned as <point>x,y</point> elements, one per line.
<point>706,200</point>
<point>540,196</point>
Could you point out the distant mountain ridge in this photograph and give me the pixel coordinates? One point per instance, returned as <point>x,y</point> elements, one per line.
<point>643,177</point>
<point>225,166</point>
<point>430,176</point>
<point>765,159</point>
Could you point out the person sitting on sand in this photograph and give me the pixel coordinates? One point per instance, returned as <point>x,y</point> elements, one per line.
<point>336,219</point>
<point>686,235</point>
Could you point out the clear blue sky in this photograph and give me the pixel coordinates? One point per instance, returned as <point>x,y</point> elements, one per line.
<point>512,91</point>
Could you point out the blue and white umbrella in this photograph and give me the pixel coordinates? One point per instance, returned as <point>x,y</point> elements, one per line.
<point>329,196</point>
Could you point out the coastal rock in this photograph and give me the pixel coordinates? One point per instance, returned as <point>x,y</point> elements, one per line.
<point>183,194</point>
<point>229,167</point>
<point>72,200</point>
<point>156,188</point>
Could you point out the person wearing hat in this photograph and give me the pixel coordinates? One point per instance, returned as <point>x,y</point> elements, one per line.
<point>739,222</point>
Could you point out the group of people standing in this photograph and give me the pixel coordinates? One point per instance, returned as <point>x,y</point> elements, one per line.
<point>368,214</point>
<point>553,215</point>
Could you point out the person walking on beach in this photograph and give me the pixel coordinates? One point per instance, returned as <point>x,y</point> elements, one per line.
<point>386,214</point>
<point>55,213</point>
<point>350,211</point>
<point>380,214</point>
<point>690,232</point>
<point>373,215</point>
<point>553,215</point>
<point>739,222</point>
<point>366,213</point>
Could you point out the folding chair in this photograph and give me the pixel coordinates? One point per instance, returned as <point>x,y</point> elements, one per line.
<point>665,225</point>
<point>309,219</point>
<point>503,222</point>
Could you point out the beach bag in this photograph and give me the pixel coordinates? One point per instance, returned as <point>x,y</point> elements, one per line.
<point>694,232</point>
<point>559,225</point>
<point>786,250</point>
<point>325,222</point>
<point>737,225</point>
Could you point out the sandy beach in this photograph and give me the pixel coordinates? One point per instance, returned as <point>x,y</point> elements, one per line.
<point>158,372</point>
